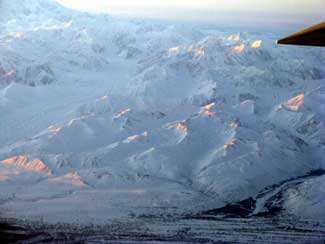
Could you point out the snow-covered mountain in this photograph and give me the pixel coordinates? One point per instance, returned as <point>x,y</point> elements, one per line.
<point>118,116</point>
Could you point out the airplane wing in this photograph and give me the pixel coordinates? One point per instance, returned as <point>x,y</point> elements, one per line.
<point>312,36</point>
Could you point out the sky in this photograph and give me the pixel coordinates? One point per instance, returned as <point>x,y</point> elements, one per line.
<point>274,11</point>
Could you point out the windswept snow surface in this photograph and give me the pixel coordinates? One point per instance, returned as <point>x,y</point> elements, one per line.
<point>103,118</point>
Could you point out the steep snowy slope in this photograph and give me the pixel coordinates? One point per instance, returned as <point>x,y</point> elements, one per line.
<point>306,200</point>
<point>27,13</point>
<point>125,117</point>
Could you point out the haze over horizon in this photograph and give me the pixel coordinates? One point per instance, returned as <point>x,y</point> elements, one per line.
<point>268,12</point>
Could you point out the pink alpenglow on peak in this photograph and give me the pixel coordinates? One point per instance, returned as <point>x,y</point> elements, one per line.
<point>230,143</point>
<point>122,113</point>
<point>234,38</point>
<point>209,106</point>
<point>238,48</point>
<point>72,178</point>
<point>24,163</point>
<point>295,103</point>
<point>133,138</point>
<point>257,44</point>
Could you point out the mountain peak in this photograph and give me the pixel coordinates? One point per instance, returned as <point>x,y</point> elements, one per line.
<point>10,10</point>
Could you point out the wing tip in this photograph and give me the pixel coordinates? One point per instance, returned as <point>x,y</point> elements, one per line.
<point>311,36</point>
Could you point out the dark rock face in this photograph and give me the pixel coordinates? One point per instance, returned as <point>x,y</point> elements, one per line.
<point>240,209</point>
<point>36,75</point>
<point>247,96</point>
<point>8,76</point>
<point>12,234</point>
<point>39,75</point>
